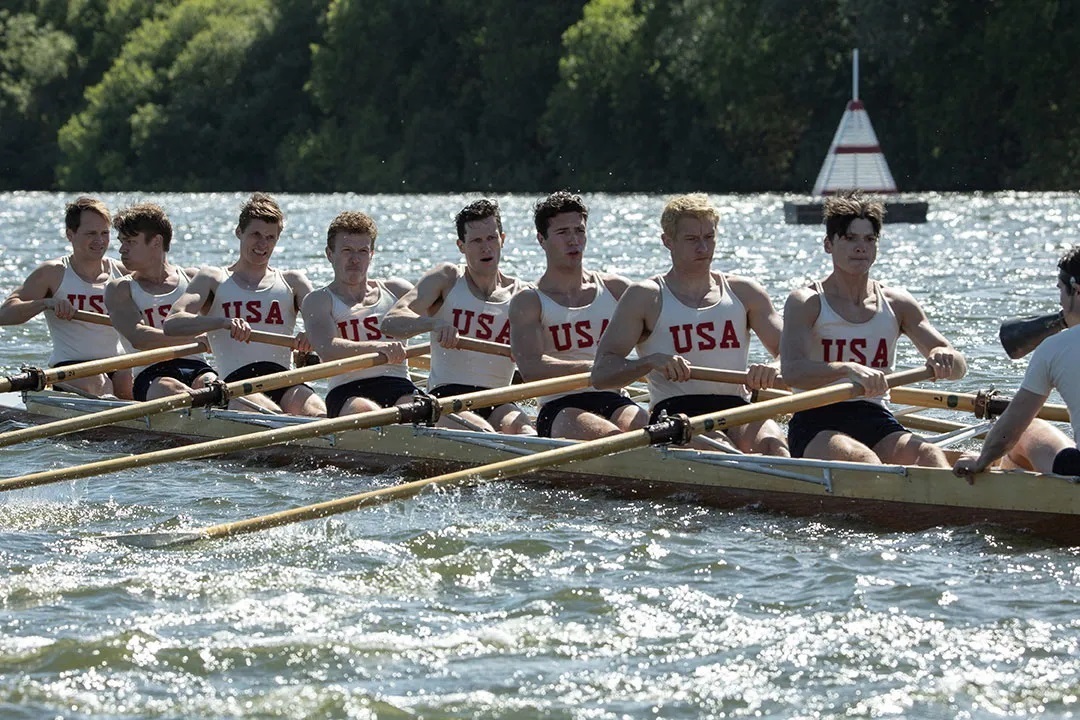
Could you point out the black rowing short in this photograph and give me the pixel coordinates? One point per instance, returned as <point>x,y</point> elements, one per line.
<point>694,405</point>
<point>258,369</point>
<point>451,389</point>
<point>867,422</point>
<point>604,403</point>
<point>186,370</point>
<point>1067,462</point>
<point>383,391</point>
<point>63,363</point>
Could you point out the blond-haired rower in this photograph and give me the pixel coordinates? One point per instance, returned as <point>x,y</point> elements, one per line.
<point>694,315</point>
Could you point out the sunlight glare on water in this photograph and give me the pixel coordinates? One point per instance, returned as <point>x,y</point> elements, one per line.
<point>521,600</point>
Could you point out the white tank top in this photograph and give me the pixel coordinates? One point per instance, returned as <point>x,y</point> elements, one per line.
<point>573,333</point>
<point>361,323</point>
<point>715,337</point>
<point>154,308</point>
<point>871,343</point>
<point>270,309</point>
<point>74,339</point>
<point>474,318</point>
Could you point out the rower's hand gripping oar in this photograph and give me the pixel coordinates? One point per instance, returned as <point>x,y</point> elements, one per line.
<point>678,429</point>
<point>425,409</point>
<point>1019,336</point>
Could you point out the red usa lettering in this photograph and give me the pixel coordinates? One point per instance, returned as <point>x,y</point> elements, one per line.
<point>161,311</point>
<point>854,350</point>
<point>579,335</point>
<point>350,329</point>
<point>252,311</point>
<point>702,336</point>
<point>93,303</point>
<point>483,329</point>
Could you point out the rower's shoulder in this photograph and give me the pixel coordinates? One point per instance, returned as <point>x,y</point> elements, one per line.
<point>615,283</point>
<point>397,286</point>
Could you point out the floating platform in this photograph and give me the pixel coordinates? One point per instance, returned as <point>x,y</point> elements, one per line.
<point>906,211</point>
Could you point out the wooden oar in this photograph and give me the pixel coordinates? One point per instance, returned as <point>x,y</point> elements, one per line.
<point>213,395</point>
<point>980,405</point>
<point>267,338</point>
<point>667,432</point>
<point>1019,336</point>
<point>420,410</point>
<point>38,379</point>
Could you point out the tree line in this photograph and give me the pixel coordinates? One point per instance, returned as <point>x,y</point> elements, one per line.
<point>377,96</point>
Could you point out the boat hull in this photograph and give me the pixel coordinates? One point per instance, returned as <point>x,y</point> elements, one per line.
<point>893,497</point>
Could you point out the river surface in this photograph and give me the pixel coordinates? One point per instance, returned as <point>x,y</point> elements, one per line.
<point>516,600</point>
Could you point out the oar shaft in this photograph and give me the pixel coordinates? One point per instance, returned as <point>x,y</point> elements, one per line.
<point>51,376</point>
<point>735,377</point>
<point>316,428</point>
<point>968,402</point>
<point>559,456</point>
<point>259,336</point>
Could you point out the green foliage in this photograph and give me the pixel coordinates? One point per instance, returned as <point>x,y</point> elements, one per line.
<point>441,95</point>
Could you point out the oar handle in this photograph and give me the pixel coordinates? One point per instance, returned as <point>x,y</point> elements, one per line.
<point>735,377</point>
<point>258,336</point>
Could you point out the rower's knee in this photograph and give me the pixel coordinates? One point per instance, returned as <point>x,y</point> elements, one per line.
<point>831,445</point>
<point>1037,447</point>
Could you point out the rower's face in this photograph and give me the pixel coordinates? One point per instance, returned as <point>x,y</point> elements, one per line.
<point>566,237</point>
<point>482,246</point>
<point>351,256</point>
<point>856,250</point>
<point>136,251</point>
<point>693,244</point>
<point>258,240</point>
<point>91,238</point>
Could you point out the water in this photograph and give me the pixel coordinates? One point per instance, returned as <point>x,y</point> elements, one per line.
<point>517,600</point>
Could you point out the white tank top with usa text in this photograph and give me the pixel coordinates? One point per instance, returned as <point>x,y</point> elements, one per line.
<point>573,333</point>
<point>871,343</point>
<point>270,309</point>
<point>362,323</point>
<point>716,336</point>
<point>474,318</point>
<point>154,308</point>
<point>75,339</point>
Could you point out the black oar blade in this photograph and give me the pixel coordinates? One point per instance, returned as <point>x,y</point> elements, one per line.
<point>1019,336</point>
<point>155,540</point>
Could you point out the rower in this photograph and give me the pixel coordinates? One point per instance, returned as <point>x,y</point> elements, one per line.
<point>470,300</point>
<point>229,303</point>
<point>1031,443</point>
<point>554,327</point>
<point>138,304</point>
<point>694,315</point>
<point>343,319</point>
<point>75,282</point>
<point>846,328</point>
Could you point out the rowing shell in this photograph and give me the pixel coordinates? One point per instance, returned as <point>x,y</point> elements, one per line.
<point>895,497</point>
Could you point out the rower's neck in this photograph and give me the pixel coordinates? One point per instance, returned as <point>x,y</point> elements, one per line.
<point>855,288</point>
<point>353,292</point>
<point>157,275</point>
<point>559,280</point>
<point>89,269</point>
<point>483,284</point>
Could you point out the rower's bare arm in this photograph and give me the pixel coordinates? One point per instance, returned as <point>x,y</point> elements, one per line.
<point>798,355</point>
<point>761,315</point>
<point>300,284</point>
<point>186,318</point>
<point>127,319</point>
<point>946,361</point>
<point>325,339</point>
<point>634,318</point>
<point>27,300</point>
<point>412,314</point>
<point>616,284</point>
<point>527,342</point>
<point>1005,433</point>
